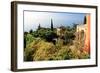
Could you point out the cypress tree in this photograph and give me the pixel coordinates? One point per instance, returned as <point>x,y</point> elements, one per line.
<point>51,25</point>
<point>39,27</point>
<point>85,20</point>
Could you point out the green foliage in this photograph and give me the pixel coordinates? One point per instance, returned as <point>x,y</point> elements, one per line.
<point>45,51</point>
<point>84,55</point>
<point>68,38</point>
<point>29,38</point>
<point>31,31</point>
<point>40,32</point>
<point>30,50</point>
<point>63,54</point>
<point>39,45</point>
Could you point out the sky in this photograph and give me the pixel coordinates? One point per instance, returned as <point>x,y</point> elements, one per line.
<point>33,18</point>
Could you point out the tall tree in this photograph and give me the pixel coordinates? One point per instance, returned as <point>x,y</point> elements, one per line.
<point>31,31</point>
<point>85,20</point>
<point>51,24</point>
<point>39,27</point>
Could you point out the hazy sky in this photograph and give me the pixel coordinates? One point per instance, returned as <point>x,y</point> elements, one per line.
<point>32,19</point>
